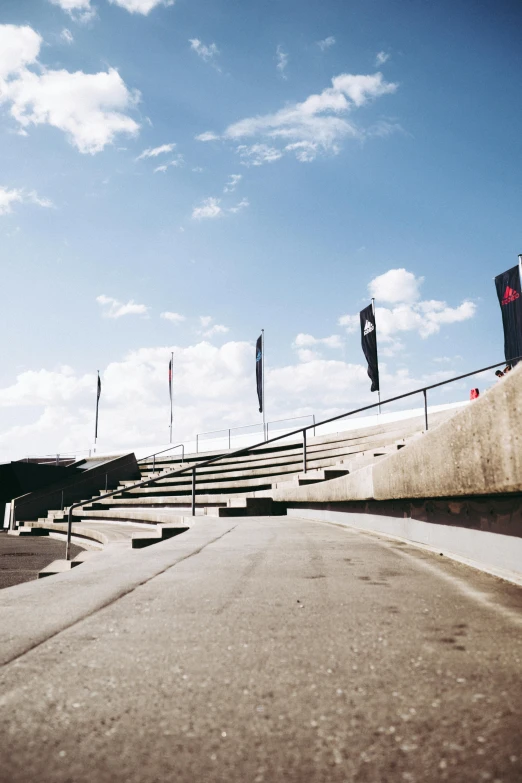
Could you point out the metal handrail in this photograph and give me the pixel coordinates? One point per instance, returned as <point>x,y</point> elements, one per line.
<point>178,446</point>
<point>246,449</point>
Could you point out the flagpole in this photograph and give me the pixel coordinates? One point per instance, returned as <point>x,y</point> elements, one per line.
<point>376,352</point>
<point>97,404</point>
<point>171,369</point>
<point>263,370</point>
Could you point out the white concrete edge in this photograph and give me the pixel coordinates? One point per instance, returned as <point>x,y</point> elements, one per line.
<point>85,543</point>
<point>514,577</point>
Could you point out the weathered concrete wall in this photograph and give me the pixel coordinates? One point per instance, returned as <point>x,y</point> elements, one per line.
<point>477,452</point>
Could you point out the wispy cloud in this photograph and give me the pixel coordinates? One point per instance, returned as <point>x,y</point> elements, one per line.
<point>313,126</point>
<point>326,43</point>
<point>282,61</point>
<point>153,152</point>
<point>257,154</point>
<point>174,163</point>
<point>381,58</point>
<point>67,36</point>
<point>143,7</point>
<point>176,318</point>
<point>210,208</point>
<point>232,182</point>
<point>8,197</point>
<point>243,204</point>
<point>113,308</point>
<point>206,321</point>
<point>207,53</point>
<point>79,10</point>
<point>207,136</point>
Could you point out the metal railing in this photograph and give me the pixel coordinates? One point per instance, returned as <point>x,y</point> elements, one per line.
<point>230,432</point>
<point>170,448</point>
<point>246,449</point>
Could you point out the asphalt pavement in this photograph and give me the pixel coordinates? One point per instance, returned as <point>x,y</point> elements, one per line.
<point>280,650</point>
<point>22,557</point>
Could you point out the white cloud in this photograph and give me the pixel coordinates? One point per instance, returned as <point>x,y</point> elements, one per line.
<point>401,288</point>
<point>396,285</point>
<point>210,208</point>
<point>282,61</point>
<point>243,204</point>
<point>17,195</point>
<point>381,58</point>
<point>174,317</point>
<point>205,320</point>
<point>207,53</point>
<point>141,6</point>
<point>326,43</point>
<point>8,197</point>
<point>67,36</point>
<point>153,152</point>
<point>214,387</point>
<point>257,154</point>
<point>207,136</point>
<point>216,329</point>
<point>316,122</point>
<point>19,47</point>
<point>174,163</point>
<point>232,183</point>
<point>116,309</point>
<point>79,10</point>
<point>89,108</point>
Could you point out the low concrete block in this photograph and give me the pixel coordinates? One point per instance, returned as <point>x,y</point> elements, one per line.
<point>58,567</point>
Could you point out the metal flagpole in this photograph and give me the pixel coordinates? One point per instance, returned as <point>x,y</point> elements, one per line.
<point>170,390</point>
<point>263,369</point>
<point>376,352</point>
<point>98,390</point>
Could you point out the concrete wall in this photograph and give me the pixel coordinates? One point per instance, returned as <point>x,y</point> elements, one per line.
<point>477,452</point>
<point>499,554</point>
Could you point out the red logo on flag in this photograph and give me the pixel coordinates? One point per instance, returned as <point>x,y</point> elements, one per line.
<point>509,295</point>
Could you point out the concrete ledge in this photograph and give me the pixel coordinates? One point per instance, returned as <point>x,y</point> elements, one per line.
<point>493,552</point>
<point>69,597</point>
<point>58,567</point>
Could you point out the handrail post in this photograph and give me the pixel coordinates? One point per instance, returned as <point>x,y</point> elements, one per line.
<point>69,531</point>
<point>106,481</point>
<point>425,393</point>
<point>182,454</point>
<point>313,417</point>
<point>153,463</point>
<point>62,501</point>
<point>193,492</point>
<point>229,438</point>
<point>304,451</point>
<point>197,443</point>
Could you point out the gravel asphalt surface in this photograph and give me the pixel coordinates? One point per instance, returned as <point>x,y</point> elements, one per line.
<point>22,557</point>
<point>284,650</point>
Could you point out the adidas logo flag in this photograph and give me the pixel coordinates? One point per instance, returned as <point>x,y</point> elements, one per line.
<point>369,344</point>
<point>508,287</point>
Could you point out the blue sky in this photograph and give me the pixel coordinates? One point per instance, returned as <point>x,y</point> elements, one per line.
<point>407,158</point>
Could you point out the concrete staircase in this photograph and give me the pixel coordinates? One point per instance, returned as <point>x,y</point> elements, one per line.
<point>233,486</point>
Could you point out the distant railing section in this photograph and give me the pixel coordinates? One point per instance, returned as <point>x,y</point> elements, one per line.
<point>248,429</point>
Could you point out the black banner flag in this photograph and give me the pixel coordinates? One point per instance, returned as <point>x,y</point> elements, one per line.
<point>98,395</point>
<point>369,344</point>
<point>509,296</point>
<point>259,371</point>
